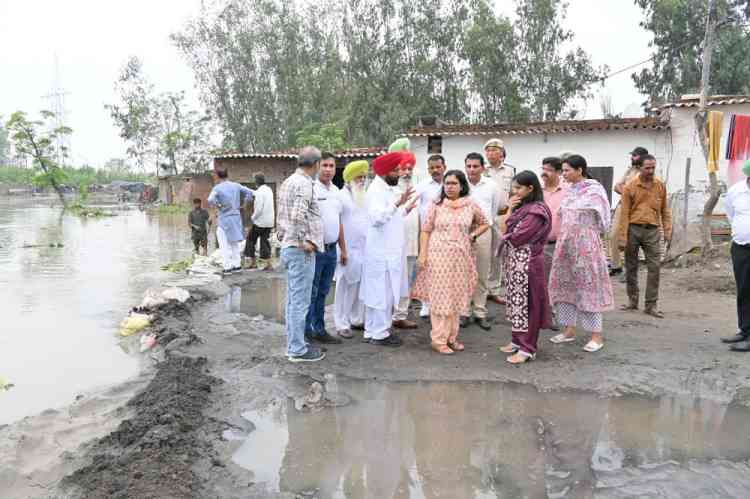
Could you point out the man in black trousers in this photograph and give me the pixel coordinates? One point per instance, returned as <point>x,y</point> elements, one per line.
<point>737,206</point>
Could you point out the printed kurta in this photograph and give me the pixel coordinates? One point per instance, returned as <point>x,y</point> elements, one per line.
<point>448,280</point>
<point>528,308</point>
<point>579,274</point>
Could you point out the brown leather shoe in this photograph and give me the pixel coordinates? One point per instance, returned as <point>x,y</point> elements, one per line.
<point>497,299</point>
<point>405,324</point>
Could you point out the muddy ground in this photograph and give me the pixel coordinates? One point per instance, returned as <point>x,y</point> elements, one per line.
<point>162,435</point>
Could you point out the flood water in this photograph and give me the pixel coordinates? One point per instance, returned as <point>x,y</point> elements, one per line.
<point>61,306</point>
<point>490,440</point>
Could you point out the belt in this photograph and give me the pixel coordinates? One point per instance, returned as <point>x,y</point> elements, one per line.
<point>646,226</point>
<point>329,246</point>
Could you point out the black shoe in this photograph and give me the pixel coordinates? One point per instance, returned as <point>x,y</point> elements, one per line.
<point>235,270</point>
<point>325,338</point>
<point>740,336</point>
<point>483,323</point>
<point>743,346</point>
<point>615,271</point>
<point>463,321</point>
<point>357,327</point>
<point>312,355</point>
<point>391,341</point>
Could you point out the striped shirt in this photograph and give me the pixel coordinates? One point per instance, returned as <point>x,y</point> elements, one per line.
<point>299,217</point>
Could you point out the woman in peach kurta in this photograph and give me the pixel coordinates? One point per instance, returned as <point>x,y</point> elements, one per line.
<point>447,267</point>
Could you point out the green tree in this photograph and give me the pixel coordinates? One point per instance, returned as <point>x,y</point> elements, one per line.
<point>38,139</point>
<point>326,137</point>
<point>159,128</point>
<point>4,144</point>
<point>678,27</point>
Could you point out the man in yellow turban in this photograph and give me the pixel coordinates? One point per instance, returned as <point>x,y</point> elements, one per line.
<point>348,308</point>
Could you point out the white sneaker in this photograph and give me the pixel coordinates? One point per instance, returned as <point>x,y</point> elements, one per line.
<point>424,312</point>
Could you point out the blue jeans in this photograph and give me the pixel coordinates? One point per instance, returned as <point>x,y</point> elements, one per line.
<point>300,271</point>
<point>325,266</point>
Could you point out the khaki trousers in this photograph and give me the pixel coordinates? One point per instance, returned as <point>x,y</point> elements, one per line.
<point>495,279</point>
<point>615,257</point>
<point>647,237</point>
<point>444,329</point>
<point>483,248</point>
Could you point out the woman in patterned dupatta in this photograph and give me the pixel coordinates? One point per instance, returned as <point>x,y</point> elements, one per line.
<point>527,227</point>
<point>579,284</point>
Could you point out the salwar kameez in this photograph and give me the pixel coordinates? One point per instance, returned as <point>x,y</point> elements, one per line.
<point>527,303</point>
<point>449,278</point>
<point>579,286</point>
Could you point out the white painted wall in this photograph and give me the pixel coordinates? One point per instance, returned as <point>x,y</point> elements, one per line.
<point>671,147</point>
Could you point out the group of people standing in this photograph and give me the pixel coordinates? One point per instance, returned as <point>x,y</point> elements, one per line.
<point>451,242</point>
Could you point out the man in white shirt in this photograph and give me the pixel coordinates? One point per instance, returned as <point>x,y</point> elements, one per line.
<point>348,308</point>
<point>382,284</point>
<point>263,219</point>
<point>427,191</point>
<point>502,175</point>
<point>411,244</point>
<point>484,193</point>
<point>331,208</point>
<point>737,207</point>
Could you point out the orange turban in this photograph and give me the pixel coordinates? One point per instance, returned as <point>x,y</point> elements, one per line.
<point>385,164</point>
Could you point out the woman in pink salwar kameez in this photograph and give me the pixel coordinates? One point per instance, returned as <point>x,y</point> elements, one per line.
<point>447,269</point>
<point>579,287</point>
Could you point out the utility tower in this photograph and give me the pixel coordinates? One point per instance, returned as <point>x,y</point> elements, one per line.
<point>55,102</point>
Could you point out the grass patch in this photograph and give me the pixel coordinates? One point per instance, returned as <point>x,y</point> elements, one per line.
<point>171,209</point>
<point>178,266</point>
<point>87,211</point>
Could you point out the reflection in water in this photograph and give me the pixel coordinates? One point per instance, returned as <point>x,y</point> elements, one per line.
<point>61,305</point>
<point>266,297</point>
<point>461,441</point>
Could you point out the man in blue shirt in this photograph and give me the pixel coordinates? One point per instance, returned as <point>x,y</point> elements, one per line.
<point>227,197</point>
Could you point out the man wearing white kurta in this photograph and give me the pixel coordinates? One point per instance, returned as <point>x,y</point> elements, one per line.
<point>382,282</point>
<point>427,191</point>
<point>348,308</point>
<point>411,245</point>
<point>483,191</point>
<point>502,175</point>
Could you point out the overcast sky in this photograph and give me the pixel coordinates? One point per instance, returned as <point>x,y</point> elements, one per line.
<point>91,39</point>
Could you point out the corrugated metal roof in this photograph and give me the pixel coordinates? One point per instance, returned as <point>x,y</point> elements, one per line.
<point>359,152</point>
<point>540,127</point>
<point>714,100</point>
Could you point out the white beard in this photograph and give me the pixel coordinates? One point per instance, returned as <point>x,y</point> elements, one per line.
<point>358,193</point>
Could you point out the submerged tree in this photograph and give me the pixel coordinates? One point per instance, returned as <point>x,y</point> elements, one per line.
<point>38,139</point>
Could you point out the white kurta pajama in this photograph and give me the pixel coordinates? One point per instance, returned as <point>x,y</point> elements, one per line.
<point>382,273</point>
<point>411,252</point>
<point>348,308</point>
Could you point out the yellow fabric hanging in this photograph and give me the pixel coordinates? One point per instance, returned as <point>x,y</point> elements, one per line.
<point>715,120</point>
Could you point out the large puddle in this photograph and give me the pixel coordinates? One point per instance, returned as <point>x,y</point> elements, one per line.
<point>489,440</point>
<point>266,297</point>
<point>61,305</point>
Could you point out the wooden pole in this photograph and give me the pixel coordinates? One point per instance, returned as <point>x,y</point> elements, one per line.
<point>685,202</point>
<point>701,119</point>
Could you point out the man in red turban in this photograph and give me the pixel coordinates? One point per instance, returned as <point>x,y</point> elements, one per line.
<point>382,274</point>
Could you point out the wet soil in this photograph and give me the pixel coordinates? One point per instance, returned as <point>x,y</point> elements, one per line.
<point>180,437</point>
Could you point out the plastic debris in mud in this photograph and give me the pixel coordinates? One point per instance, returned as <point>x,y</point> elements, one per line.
<point>154,298</point>
<point>147,342</point>
<point>134,323</point>
<point>5,384</point>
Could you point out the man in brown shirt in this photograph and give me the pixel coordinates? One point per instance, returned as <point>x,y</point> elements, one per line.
<point>644,208</point>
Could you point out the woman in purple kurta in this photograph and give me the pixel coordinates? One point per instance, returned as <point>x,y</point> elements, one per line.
<point>527,303</point>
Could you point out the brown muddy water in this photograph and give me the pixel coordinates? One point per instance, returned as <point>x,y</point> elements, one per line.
<point>61,306</point>
<point>488,440</point>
